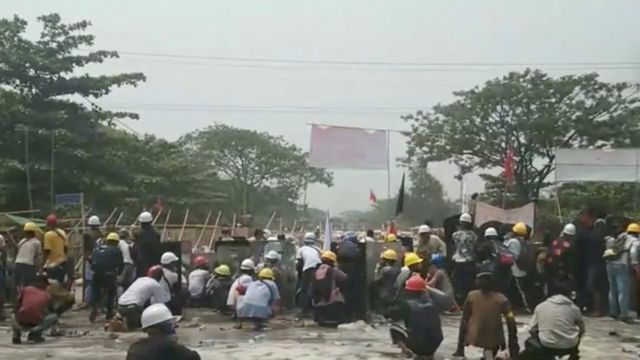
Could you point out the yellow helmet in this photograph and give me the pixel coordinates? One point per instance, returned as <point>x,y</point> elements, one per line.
<point>520,229</point>
<point>266,273</point>
<point>390,254</point>
<point>633,228</point>
<point>31,227</point>
<point>412,259</point>
<point>330,255</point>
<point>391,238</point>
<point>222,270</point>
<point>113,237</point>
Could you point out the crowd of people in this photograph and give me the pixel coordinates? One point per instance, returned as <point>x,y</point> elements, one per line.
<point>486,277</point>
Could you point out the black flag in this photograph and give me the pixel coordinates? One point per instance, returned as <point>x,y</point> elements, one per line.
<point>400,203</point>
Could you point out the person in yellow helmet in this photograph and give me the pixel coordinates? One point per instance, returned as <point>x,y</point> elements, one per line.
<point>107,263</point>
<point>385,279</point>
<point>412,266</point>
<point>217,288</point>
<point>621,255</point>
<point>261,300</point>
<point>521,287</point>
<point>29,256</point>
<point>327,299</point>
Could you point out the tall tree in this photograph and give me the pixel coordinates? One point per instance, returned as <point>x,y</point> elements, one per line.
<point>531,113</point>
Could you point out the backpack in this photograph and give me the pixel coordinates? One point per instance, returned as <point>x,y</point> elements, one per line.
<point>527,259</point>
<point>505,256</point>
<point>102,259</point>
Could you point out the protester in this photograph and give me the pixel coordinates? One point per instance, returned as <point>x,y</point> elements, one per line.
<point>622,257</point>
<point>146,244</point>
<point>437,278</point>
<point>308,259</point>
<point>128,273</point>
<point>62,299</point>
<point>481,325</point>
<point>198,279</point>
<point>89,242</point>
<point>106,263</point>
<point>561,258</point>
<point>597,286</point>
<point>494,250</point>
<point>239,288</point>
<point>385,280</point>
<point>55,244</point>
<point>521,287</point>
<point>556,327</point>
<point>391,238</point>
<point>429,244</point>
<point>412,266</point>
<point>29,257</point>
<point>348,256</point>
<point>420,332</point>
<point>32,311</point>
<point>271,261</point>
<point>172,282</point>
<point>370,236</point>
<point>146,289</point>
<point>328,301</point>
<point>218,288</point>
<point>464,270</point>
<point>161,343</point>
<point>261,301</point>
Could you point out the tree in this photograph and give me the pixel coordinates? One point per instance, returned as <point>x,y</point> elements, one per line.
<point>532,114</point>
<point>262,170</point>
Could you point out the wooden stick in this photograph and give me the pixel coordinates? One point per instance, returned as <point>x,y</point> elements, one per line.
<point>106,222</point>
<point>215,230</point>
<point>273,215</point>
<point>184,223</point>
<point>202,231</point>
<point>281,224</point>
<point>80,222</point>
<point>157,216</point>
<point>233,224</point>
<point>293,228</point>
<point>164,228</point>
<point>19,212</point>
<point>118,220</point>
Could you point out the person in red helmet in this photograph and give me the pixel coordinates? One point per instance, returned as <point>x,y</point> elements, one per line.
<point>143,291</point>
<point>417,331</point>
<point>198,279</point>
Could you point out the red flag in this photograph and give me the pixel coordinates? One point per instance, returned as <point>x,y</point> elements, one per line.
<point>158,205</point>
<point>372,197</point>
<point>393,229</point>
<point>507,165</point>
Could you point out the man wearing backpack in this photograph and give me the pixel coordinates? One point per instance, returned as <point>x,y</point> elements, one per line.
<point>521,287</point>
<point>621,255</point>
<point>106,263</point>
<point>561,258</point>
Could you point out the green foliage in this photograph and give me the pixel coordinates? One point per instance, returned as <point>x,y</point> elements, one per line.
<point>531,113</point>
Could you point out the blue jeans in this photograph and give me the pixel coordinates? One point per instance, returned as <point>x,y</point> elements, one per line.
<point>619,288</point>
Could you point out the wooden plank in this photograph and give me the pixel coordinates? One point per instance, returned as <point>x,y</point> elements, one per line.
<point>215,230</point>
<point>118,219</point>
<point>106,222</point>
<point>184,224</point>
<point>157,216</point>
<point>164,228</point>
<point>273,215</point>
<point>202,231</point>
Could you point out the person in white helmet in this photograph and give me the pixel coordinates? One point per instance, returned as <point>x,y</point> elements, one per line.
<point>146,245</point>
<point>145,290</point>
<point>89,242</point>
<point>464,270</point>
<point>173,281</point>
<point>239,288</point>
<point>308,260</point>
<point>161,343</point>
<point>561,257</point>
<point>429,244</point>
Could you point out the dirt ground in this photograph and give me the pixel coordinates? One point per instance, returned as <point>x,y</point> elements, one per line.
<point>214,338</point>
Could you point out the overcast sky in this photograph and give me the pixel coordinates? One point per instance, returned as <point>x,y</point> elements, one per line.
<point>184,94</point>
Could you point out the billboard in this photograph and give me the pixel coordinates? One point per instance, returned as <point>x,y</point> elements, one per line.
<point>337,147</point>
<point>606,165</point>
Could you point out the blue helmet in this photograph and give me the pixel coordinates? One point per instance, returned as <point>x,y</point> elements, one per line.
<point>351,236</point>
<point>437,260</point>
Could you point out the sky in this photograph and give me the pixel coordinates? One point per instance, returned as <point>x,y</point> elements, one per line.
<point>221,68</point>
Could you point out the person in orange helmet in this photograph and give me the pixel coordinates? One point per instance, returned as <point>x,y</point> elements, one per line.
<point>198,279</point>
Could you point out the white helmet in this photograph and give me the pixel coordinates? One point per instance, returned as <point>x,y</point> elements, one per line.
<point>155,314</point>
<point>309,237</point>
<point>247,264</point>
<point>272,238</point>
<point>168,258</point>
<point>145,217</point>
<point>94,221</point>
<point>266,232</point>
<point>272,255</point>
<point>465,218</point>
<point>569,229</point>
<point>490,232</point>
<point>424,229</point>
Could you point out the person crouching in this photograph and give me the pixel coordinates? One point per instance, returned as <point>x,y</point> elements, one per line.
<point>327,299</point>
<point>144,290</point>
<point>198,279</point>
<point>32,311</point>
<point>239,288</point>
<point>218,288</point>
<point>261,300</point>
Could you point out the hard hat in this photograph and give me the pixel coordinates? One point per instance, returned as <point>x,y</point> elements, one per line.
<point>465,218</point>
<point>490,232</point>
<point>52,220</point>
<point>94,221</point>
<point>390,254</point>
<point>222,270</point>
<point>415,283</point>
<point>168,258</point>
<point>272,238</point>
<point>113,237</point>
<point>266,273</point>
<point>266,232</point>
<point>273,255</point>
<point>520,229</point>
<point>633,228</point>
<point>412,259</point>
<point>330,255</point>
<point>309,237</point>
<point>31,227</point>
<point>350,236</point>
<point>154,270</point>
<point>569,229</point>
<point>424,229</point>
<point>391,238</point>
<point>247,264</point>
<point>437,260</point>
<point>155,314</point>
<point>145,217</point>
<point>124,232</point>
<point>200,260</point>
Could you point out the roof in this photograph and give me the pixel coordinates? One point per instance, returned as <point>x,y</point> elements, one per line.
<point>10,222</point>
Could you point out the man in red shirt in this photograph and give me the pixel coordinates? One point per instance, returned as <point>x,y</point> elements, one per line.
<point>32,311</point>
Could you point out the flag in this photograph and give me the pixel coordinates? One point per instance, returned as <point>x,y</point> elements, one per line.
<point>400,203</point>
<point>326,244</point>
<point>372,197</point>
<point>507,165</point>
<point>393,229</point>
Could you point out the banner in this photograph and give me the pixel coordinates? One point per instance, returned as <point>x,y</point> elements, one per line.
<point>485,213</point>
<point>615,165</point>
<point>348,148</point>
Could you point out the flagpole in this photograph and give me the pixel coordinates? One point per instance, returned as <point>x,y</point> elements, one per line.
<point>388,165</point>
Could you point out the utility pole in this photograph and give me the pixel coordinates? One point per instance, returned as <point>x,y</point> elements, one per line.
<point>26,166</point>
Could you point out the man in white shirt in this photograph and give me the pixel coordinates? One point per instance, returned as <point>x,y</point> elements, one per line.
<point>198,279</point>
<point>29,257</point>
<point>145,289</point>
<point>128,272</point>
<point>308,259</point>
<point>172,283</point>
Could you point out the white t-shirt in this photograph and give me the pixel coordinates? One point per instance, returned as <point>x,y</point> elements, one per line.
<point>142,290</point>
<point>125,249</point>
<point>515,247</point>
<point>234,298</point>
<point>197,281</point>
<point>310,255</point>
<point>28,251</point>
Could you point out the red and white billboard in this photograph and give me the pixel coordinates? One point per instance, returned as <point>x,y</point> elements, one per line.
<point>348,148</point>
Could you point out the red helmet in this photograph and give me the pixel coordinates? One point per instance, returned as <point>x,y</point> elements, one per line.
<point>154,271</point>
<point>200,261</point>
<point>52,220</point>
<point>415,283</point>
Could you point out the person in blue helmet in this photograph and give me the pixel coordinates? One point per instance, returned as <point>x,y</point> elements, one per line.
<point>439,283</point>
